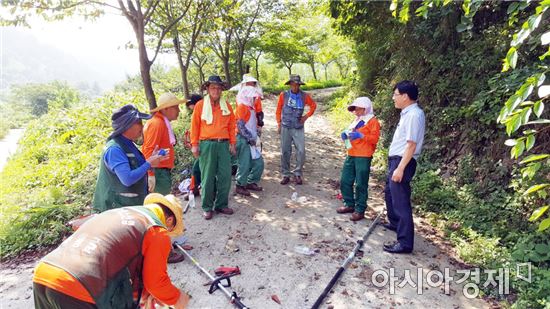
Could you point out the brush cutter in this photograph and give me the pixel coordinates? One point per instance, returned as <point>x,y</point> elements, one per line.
<point>348,260</point>
<point>221,281</point>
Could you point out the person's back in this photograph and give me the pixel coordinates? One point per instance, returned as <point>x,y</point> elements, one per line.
<point>107,267</point>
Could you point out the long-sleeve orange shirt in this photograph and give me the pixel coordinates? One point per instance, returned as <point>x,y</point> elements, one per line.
<point>242,112</point>
<point>365,146</point>
<point>155,249</point>
<point>308,101</point>
<point>222,127</point>
<point>258,105</point>
<point>155,133</point>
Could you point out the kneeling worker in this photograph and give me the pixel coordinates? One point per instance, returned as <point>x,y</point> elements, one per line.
<point>109,266</point>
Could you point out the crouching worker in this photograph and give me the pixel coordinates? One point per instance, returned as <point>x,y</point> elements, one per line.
<point>360,138</point>
<point>115,265</point>
<point>250,161</point>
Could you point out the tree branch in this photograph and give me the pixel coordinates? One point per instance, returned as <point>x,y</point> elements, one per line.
<point>163,34</point>
<point>149,12</point>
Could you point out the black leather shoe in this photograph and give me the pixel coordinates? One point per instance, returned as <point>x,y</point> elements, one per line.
<point>397,248</point>
<point>390,244</point>
<point>390,227</point>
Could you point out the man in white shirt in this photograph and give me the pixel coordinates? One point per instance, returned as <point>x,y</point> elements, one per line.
<point>404,151</point>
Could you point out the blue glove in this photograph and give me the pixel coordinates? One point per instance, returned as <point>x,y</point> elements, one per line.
<point>344,136</point>
<point>355,135</point>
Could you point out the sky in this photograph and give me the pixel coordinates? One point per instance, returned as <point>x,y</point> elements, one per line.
<point>100,44</point>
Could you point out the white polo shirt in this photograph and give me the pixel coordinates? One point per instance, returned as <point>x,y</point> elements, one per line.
<point>411,127</point>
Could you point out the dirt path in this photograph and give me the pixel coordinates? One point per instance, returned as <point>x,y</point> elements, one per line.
<point>260,238</point>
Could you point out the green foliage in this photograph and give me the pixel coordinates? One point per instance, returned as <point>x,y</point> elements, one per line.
<point>49,179</point>
<point>39,98</point>
<point>310,85</point>
<point>533,294</point>
<point>430,193</point>
<point>4,128</point>
<point>455,54</point>
<point>26,102</point>
<point>475,249</point>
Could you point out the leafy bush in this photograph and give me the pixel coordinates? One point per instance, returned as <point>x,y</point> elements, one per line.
<point>52,176</point>
<point>477,250</point>
<point>310,85</point>
<point>430,193</point>
<point>4,128</point>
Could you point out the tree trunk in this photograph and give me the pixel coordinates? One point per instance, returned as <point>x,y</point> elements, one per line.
<point>312,65</point>
<point>226,70</point>
<point>326,67</point>
<point>201,76</point>
<point>257,63</point>
<point>183,67</point>
<point>240,56</point>
<point>145,69</point>
<point>138,24</point>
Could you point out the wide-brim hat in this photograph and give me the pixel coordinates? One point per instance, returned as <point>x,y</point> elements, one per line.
<point>167,100</point>
<point>362,102</point>
<point>123,118</point>
<point>172,203</point>
<point>246,79</point>
<point>193,99</point>
<point>295,79</point>
<point>214,79</point>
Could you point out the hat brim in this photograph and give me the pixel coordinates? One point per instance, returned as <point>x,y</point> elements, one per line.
<point>167,104</point>
<point>292,81</point>
<point>141,115</point>
<point>171,203</point>
<point>138,117</point>
<point>352,107</point>
<point>224,85</point>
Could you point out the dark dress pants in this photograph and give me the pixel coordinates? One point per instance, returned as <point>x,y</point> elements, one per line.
<point>398,202</point>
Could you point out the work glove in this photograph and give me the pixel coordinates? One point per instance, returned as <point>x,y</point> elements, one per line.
<point>344,136</point>
<point>151,181</point>
<point>260,117</point>
<point>355,135</point>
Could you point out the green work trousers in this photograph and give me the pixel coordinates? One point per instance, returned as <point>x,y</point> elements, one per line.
<point>250,171</point>
<point>215,166</point>
<point>48,298</point>
<point>163,181</point>
<point>197,173</point>
<point>356,171</point>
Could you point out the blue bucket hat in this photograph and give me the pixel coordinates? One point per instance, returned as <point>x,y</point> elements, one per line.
<point>124,117</point>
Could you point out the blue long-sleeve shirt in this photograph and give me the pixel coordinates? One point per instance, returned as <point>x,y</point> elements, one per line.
<point>117,161</point>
